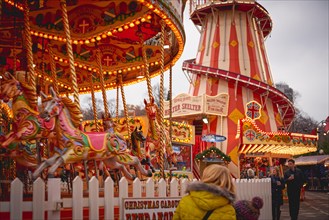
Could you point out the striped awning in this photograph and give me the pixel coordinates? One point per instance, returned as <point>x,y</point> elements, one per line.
<point>312,160</point>
<point>255,141</point>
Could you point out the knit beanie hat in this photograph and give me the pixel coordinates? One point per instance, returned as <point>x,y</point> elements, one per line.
<point>248,210</point>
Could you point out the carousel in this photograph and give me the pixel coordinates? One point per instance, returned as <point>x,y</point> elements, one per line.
<point>54,51</point>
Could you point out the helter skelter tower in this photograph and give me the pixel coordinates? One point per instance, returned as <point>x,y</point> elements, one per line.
<point>231,59</point>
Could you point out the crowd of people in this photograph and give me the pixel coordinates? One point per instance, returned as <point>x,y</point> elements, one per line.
<point>214,197</point>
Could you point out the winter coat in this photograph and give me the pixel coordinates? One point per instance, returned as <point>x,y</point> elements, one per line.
<point>297,182</point>
<point>277,196</point>
<point>202,198</point>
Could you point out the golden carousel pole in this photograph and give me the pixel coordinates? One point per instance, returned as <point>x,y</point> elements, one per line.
<point>55,83</point>
<point>147,75</point>
<point>70,53</point>
<point>93,99</point>
<point>41,147</point>
<point>101,76</point>
<point>170,94</point>
<point>15,40</point>
<point>29,53</point>
<point>106,108</point>
<point>29,57</point>
<point>117,105</point>
<point>12,162</point>
<point>53,68</point>
<point>73,75</point>
<point>124,106</point>
<point>161,123</point>
<point>150,93</point>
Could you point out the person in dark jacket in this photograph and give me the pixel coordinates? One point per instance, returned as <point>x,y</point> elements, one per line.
<point>294,178</point>
<point>277,185</point>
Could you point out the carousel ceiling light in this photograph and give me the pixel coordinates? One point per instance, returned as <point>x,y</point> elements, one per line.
<point>166,46</point>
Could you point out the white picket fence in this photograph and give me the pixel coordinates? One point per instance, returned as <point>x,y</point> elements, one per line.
<point>246,189</point>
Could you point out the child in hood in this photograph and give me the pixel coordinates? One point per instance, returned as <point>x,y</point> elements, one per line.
<point>248,210</point>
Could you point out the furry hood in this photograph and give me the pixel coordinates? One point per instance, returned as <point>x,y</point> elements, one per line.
<point>213,189</point>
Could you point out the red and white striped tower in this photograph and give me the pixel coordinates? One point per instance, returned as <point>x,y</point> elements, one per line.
<point>231,58</point>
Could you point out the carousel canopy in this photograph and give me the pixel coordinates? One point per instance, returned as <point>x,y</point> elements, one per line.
<point>120,31</point>
<point>254,141</point>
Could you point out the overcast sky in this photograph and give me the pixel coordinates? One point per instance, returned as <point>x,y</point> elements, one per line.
<point>297,50</point>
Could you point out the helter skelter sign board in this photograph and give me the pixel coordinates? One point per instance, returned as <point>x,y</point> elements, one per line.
<point>184,104</point>
<point>149,208</point>
<point>216,105</point>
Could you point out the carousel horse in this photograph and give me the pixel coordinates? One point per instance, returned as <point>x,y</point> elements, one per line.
<point>153,135</point>
<point>75,145</point>
<point>27,127</point>
<point>138,139</point>
<point>109,127</point>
